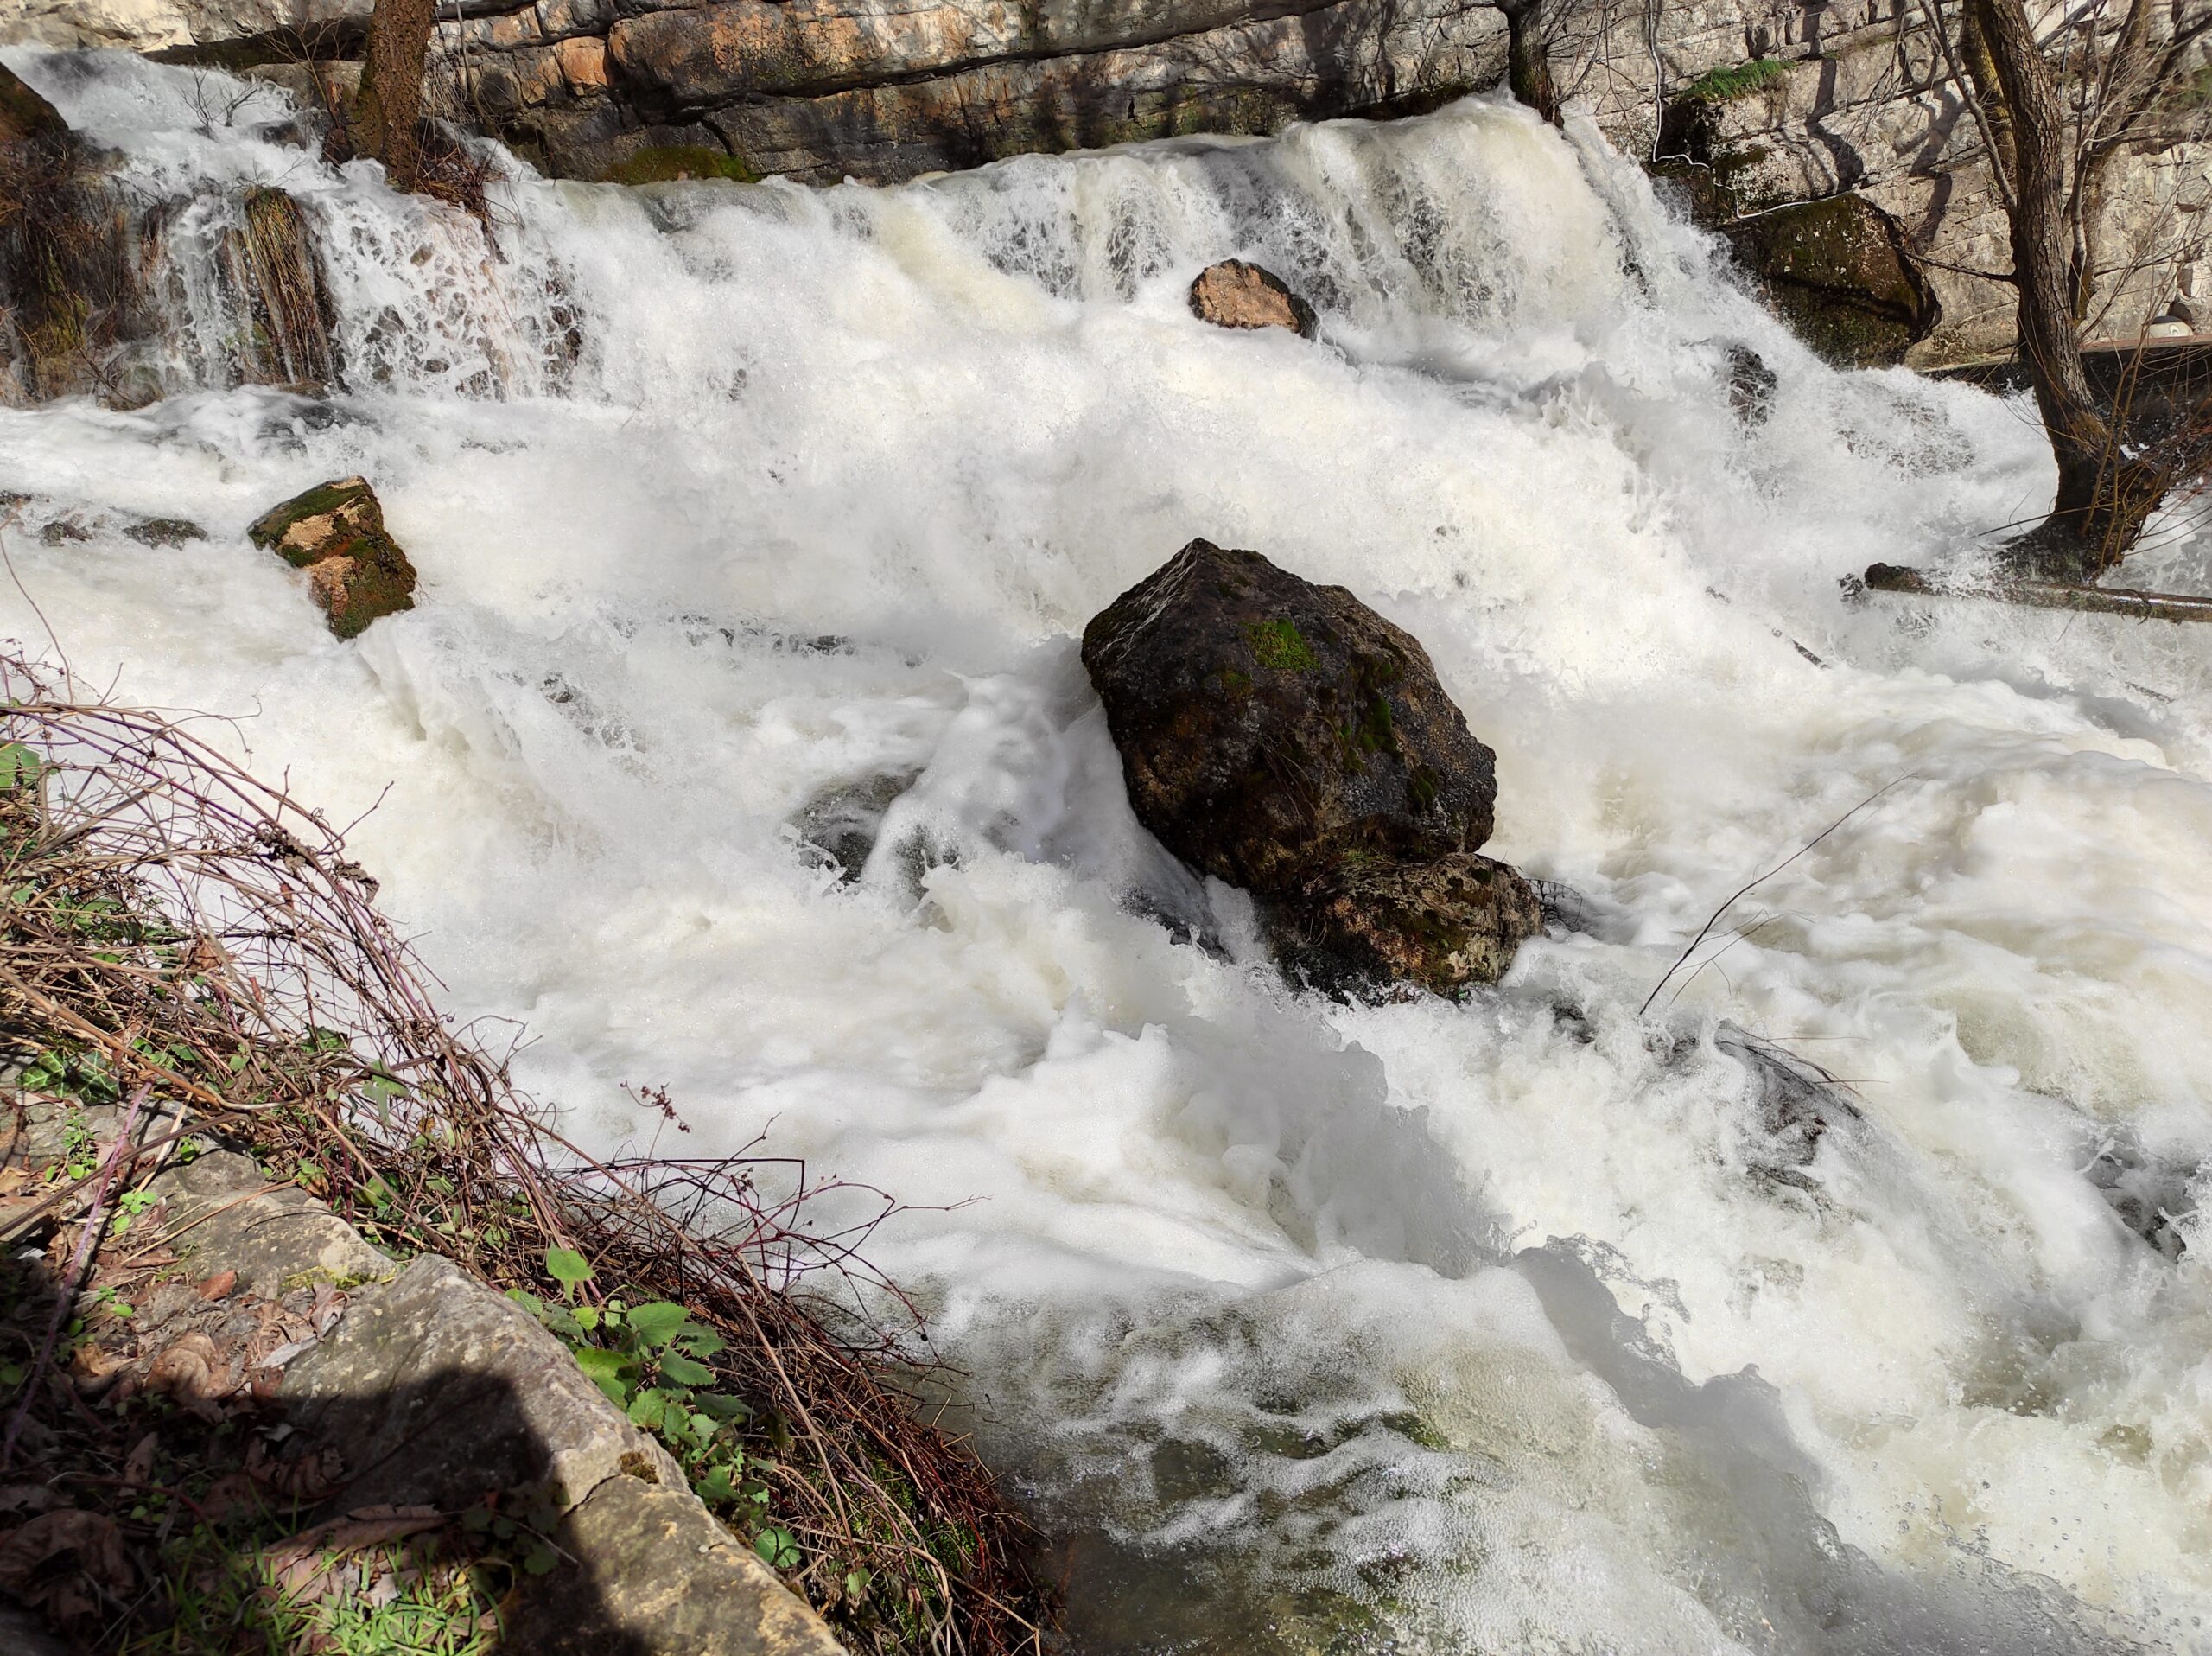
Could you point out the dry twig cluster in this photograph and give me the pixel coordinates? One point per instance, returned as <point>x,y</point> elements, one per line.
<point>183,931</point>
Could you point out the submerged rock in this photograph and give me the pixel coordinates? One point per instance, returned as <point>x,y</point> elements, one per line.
<point>335,532</point>
<point>70,298</point>
<point>1284,737</point>
<point>1439,924</point>
<point>272,266</point>
<point>1233,294</point>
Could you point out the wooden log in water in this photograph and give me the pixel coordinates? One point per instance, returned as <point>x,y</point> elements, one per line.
<point>2047,594</point>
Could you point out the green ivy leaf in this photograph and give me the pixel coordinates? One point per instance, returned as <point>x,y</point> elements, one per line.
<point>684,1372</point>
<point>658,1323</point>
<point>701,1342</point>
<point>779,1549</point>
<point>567,1267</point>
<point>540,1559</point>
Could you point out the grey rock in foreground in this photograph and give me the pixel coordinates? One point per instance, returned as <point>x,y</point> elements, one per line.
<point>433,1390</point>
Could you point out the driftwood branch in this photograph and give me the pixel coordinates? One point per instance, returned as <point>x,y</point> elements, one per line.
<point>2047,594</point>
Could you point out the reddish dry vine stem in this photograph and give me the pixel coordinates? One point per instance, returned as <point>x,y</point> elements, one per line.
<point>201,935</point>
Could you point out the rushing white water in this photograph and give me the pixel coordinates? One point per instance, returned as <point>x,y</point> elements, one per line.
<point>1506,1326</point>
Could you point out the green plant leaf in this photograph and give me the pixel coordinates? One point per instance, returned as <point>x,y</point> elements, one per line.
<point>540,1559</point>
<point>701,1342</point>
<point>528,1301</point>
<point>586,1317</point>
<point>722,1407</point>
<point>646,1408</point>
<point>607,1370</point>
<point>658,1322</point>
<point>684,1372</point>
<point>715,1488</point>
<point>779,1549</point>
<point>567,1267</point>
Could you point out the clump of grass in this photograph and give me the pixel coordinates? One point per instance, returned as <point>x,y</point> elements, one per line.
<point>174,931</point>
<point>1725,84</point>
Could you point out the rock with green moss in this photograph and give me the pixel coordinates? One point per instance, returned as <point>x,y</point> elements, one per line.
<point>665,163</point>
<point>1268,727</point>
<point>335,532</point>
<point>1284,737</point>
<point>1837,270</point>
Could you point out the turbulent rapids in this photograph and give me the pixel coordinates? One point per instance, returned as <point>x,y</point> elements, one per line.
<point>1856,1297</point>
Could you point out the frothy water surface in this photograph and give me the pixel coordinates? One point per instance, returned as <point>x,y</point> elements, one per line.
<point>1526,1325</point>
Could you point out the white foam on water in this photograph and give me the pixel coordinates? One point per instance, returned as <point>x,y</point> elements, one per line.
<point>1499,1326</point>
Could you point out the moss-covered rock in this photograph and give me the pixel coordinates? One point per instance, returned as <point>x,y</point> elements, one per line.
<point>1837,271</point>
<point>24,115</point>
<point>1268,726</point>
<point>335,532</point>
<point>665,163</point>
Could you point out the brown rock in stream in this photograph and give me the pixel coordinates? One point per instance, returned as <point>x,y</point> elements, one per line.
<point>335,532</point>
<point>1233,294</point>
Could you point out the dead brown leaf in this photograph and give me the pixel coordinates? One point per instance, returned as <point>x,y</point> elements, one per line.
<point>228,1492</point>
<point>310,1477</point>
<point>220,1286</point>
<point>189,1370</point>
<point>305,1565</point>
<point>138,1465</point>
<point>66,1562</point>
<point>23,1499</point>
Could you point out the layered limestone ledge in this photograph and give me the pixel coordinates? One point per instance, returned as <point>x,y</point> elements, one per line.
<point>882,96</point>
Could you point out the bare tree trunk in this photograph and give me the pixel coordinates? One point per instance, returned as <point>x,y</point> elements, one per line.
<point>1528,70</point>
<point>2102,501</point>
<point>390,109</point>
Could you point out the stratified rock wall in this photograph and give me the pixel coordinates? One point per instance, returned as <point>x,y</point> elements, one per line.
<point>1751,104</point>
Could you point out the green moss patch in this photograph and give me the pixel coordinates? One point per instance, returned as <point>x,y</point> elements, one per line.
<point>665,163</point>
<point>1725,86</point>
<point>1279,644</point>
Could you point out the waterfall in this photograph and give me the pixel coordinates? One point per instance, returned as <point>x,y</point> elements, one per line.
<point>738,743</point>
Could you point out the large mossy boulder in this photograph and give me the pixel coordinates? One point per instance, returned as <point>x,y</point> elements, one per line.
<point>1270,727</point>
<point>1838,272</point>
<point>335,532</point>
<point>1284,737</point>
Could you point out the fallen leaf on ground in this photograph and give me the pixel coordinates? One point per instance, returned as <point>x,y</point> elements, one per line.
<point>21,1499</point>
<point>220,1286</point>
<point>33,1569</point>
<point>138,1465</point>
<point>189,1370</point>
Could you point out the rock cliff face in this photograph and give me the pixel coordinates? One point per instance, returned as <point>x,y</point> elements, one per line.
<point>1748,104</point>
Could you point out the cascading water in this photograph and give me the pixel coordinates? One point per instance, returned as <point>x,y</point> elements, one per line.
<point>755,516</point>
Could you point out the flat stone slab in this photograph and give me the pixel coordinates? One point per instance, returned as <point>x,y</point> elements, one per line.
<point>660,1578</point>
